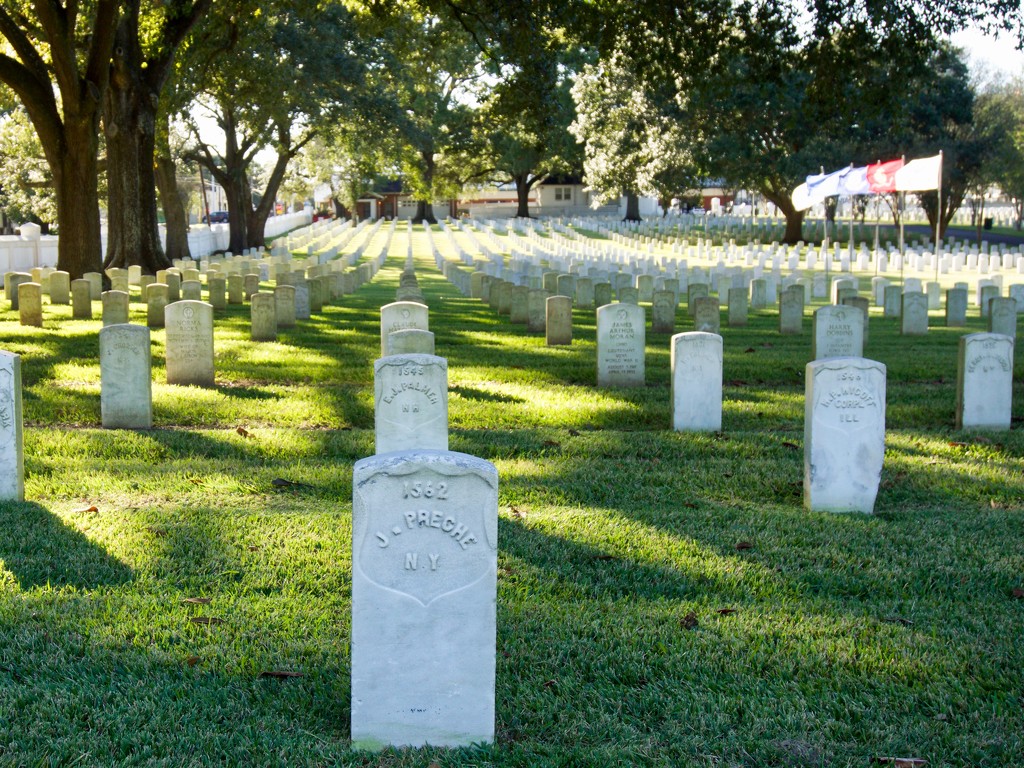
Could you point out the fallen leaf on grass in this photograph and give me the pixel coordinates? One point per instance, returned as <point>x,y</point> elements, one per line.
<point>957,445</point>
<point>744,545</point>
<point>689,621</point>
<point>192,660</point>
<point>156,531</point>
<point>552,443</point>
<point>898,620</point>
<point>901,762</point>
<point>206,620</point>
<point>574,432</point>
<point>550,683</point>
<point>91,508</point>
<point>788,444</point>
<point>749,350</point>
<point>255,548</point>
<point>516,512</point>
<point>690,505</point>
<point>725,611</point>
<point>197,600</point>
<point>244,432</point>
<point>280,674</point>
<point>1018,592</point>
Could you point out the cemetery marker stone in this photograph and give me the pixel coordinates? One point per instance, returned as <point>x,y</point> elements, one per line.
<point>126,400</point>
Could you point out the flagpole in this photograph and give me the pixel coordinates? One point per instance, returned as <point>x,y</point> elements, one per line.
<point>901,204</point>
<point>938,219</point>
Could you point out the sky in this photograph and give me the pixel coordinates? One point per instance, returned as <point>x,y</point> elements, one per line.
<point>995,54</point>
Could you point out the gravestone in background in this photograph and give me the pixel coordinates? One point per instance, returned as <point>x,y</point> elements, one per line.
<point>707,315</point>
<point>60,287</point>
<point>621,344</point>
<point>410,341</point>
<point>844,434</point>
<point>695,291</point>
<point>914,314</point>
<point>402,315</point>
<point>12,452</point>
<point>838,332</point>
<point>984,381</point>
<point>864,305</point>
<point>156,302</point>
<point>737,307</point>
<point>519,306</point>
<point>537,309</point>
<point>189,343</point>
<point>892,301</point>
<point>956,307</point>
<point>263,316</point>
<point>284,304</point>
<point>217,291</point>
<point>126,399</point>
<point>558,321</point>
<point>697,382</point>
<point>81,300</point>
<point>30,304</point>
<point>663,312</point>
<point>791,310</point>
<point>602,294</point>
<point>191,290</point>
<point>1002,316</point>
<point>424,588</point>
<point>11,282</point>
<point>115,307</point>
<point>410,402</point>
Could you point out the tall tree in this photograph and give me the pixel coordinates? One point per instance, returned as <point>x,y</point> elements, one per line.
<point>58,65</point>
<point>147,40</point>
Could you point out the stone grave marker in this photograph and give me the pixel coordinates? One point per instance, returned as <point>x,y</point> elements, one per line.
<point>189,343</point>
<point>424,587</point>
<point>263,316</point>
<point>694,291</point>
<point>1002,316</point>
<point>558,321</point>
<point>585,293</point>
<point>629,295</point>
<point>621,345</point>
<point>707,314</point>
<point>60,287</point>
<point>645,288</point>
<point>864,305</point>
<point>316,295</point>
<point>410,402</point>
<point>303,309</point>
<point>410,341</point>
<point>173,283</point>
<point>758,293</point>
<point>914,313</point>
<point>30,304</point>
<point>566,286</point>
<point>284,304</point>
<point>217,290</point>
<point>12,452</point>
<point>126,391</point>
<point>11,282</point>
<point>119,282</point>
<point>401,315</point>
<point>737,307</point>
<point>81,300</point>
<point>893,301</point>
<point>984,381</point>
<point>602,294</point>
<point>191,290</point>
<point>663,312</point>
<point>156,302</point>
<point>236,289</point>
<point>838,332</point>
<point>250,284</point>
<point>791,310</point>
<point>537,309</point>
<point>956,307</point>
<point>844,434</point>
<point>519,306</point>
<point>95,284</point>
<point>985,294</point>
<point>697,382</point>
<point>115,307</point>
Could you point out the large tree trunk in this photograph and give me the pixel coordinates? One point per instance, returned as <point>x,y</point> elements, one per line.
<point>424,213</point>
<point>129,116</point>
<point>175,216</point>
<point>794,219</point>
<point>80,248</point>
<point>522,195</point>
<point>425,208</point>
<point>632,207</point>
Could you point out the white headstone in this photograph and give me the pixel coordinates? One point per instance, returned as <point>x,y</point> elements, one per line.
<point>189,343</point>
<point>400,315</point>
<point>621,346</point>
<point>984,390</point>
<point>424,589</point>
<point>126,400</point>
<point>12,454</point>
<point>410,402</point>
<point>844,434</point>
<point>696,382</point>
<point>838,332</point>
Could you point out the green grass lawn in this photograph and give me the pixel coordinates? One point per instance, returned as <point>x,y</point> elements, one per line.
<point>663,598</point>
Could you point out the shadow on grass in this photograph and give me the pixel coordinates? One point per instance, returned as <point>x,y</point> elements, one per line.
<point>39,549</point>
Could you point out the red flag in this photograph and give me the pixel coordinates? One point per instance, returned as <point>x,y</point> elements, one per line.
<point>882,176</point>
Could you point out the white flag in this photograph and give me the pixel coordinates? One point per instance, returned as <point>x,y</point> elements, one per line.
<point>920,175</point>
<point>802,198</point>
